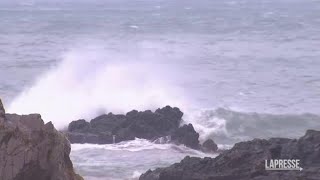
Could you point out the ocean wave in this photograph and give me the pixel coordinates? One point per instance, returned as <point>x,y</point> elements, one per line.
<point>90,81</point>
<point>126,160</point>
<point>137,145</point>
<point>227,127</point>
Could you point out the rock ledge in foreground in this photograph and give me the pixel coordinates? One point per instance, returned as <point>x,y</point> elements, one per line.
<point>30,149</point>
<point>246,161</point>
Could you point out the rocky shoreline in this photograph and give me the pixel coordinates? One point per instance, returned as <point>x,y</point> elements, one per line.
<point>32,150</point>
<point>160,126</point>
<point>246,160</point>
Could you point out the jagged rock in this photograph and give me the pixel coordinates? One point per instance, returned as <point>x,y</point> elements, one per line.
<point>79,126</point>
<point>246,160</point>
<point>209,146</point>
<point>186,135</point>
<point>147,125</point>
<point>106,123</point>
<point>30,149</point>
<point>2,113</point>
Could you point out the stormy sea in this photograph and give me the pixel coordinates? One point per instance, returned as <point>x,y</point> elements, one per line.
<point>238,69</point>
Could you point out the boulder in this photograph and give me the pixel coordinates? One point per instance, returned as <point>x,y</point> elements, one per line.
<point>186,135</point>
<point>209,146</point>
<point>30,149</point>
<point>144,124</point>
<point>79,126</point>
<point>106,122</point>
<point>246,160</point>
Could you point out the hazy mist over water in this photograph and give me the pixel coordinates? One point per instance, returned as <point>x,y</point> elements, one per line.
<point>250,55</point>
<point>216,60</point>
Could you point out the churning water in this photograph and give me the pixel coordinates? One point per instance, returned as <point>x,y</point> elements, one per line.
<point>238,69</point>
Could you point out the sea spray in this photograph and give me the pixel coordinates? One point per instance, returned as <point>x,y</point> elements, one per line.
<point>90,82</point>
<point>226,126</point>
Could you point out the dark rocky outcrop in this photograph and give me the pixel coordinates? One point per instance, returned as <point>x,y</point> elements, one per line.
<point>147,125</point>
<point>79,126</point>
<point>32,150</point>
<point>246,160</point>
<point>209,146</point>
<point>186,135</point>
<point>2,113</point>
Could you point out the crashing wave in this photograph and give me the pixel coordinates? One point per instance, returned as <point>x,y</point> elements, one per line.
<point>227,126</point>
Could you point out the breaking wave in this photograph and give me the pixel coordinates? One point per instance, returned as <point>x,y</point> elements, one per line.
<point>126,160</point>
<point>136,146</point>
<point>226,126</point>
<point>90,82</point>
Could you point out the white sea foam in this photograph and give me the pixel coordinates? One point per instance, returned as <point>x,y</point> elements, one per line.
<point>226,126</point>
<point>91,81</point>
<point>126,160</point>
<point>136,175</point>
<point>134,27</point>
<point>136,146</point>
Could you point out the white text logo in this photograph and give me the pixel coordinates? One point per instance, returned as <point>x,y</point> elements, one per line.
<point>283,164</point>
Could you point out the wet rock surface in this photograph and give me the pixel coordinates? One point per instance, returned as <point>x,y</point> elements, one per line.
<point>2,114</point>
<point>149,125</point>
<point>209,146</point>
<point>246,160</point>
<point>186,135</point>
<point>32,150</point>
